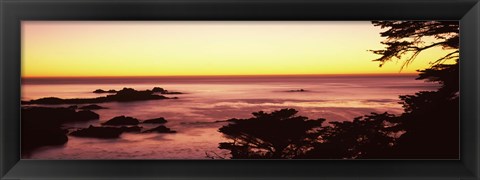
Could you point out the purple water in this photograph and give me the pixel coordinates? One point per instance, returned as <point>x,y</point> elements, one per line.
<point>209,99</point>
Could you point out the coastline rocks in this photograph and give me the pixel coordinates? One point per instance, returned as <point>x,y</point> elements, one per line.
<point>58,116</point>
<point>228,120</point>
<point>42,126</point>
<point>297,90</point>
<point>103,91</point>
<point>85,115</point>
<point>47,100</point>
<point>160,120</point>
<point>104,132</point>
<point>122,120</point>
<point>172,92</point>
<point>45,126</point>
<point>158,89</point>
<point>124,95</point>
<point>163,91</point>
<point>129,94</point>
<point>160,129</point>
<point>92,107</point>
<point>98,132</point>
<point>131,128</point>
<point>33,138</point>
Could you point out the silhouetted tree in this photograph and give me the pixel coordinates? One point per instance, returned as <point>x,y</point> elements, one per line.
<point>410,38</point>
<point>428,127</point>
<point>276,135</point>
<point>366,137</point>
<point>431,118</point>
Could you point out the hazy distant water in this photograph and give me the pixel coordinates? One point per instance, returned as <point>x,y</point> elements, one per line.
<point>208,99</point>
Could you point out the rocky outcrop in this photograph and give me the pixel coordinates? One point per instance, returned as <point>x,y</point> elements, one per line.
<point>98,132</point>
<point>124,95</point>
<point>92,107</point>
<point>43,126</point>
<point>160,129</point>
<point>160,120</point>
<point>122,120</point>
<point>163,91</point>
<point>297,90</point>
<point>99,91</point>
<point>131,128</point>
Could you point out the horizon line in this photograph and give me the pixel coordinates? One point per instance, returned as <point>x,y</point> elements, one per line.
<point>245,75</point>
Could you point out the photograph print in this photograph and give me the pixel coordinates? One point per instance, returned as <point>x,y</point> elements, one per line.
<point>240,90</point>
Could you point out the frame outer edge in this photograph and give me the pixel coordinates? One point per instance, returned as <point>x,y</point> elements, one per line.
<point>476,163</point>
<point>472,165</point>
<point>2,133</point>
<point>477,134</point>
<point>7,160</point>
<point>471,135</point>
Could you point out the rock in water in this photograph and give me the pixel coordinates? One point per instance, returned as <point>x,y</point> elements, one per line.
<point>43,126</point>
<point>122,120</point>
<point>92,107</point>
<point>98,132</point>
<point>131,129</point>
<point>160,129</point>
<point>124,95</point>
<point>155,121</point>
<point>158,89</point>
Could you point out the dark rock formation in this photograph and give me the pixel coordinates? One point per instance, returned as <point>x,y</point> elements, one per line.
<point>168,92</point>
<point>131,128</point>
<point>228,120</point>
<point>46,100</point>
<point>42,126</point>
<point>160,129</point>
<point>99,91</point>
<point>56,115</point>
<point>155,121</point>
<point>121,120</point>
<point>98,132</point>
<point>163,91</point>
<point>124,95</point>
<point>297,90</point>
<point>129,94</point>
<point>85,114</point>
<point>158,89</point>
<point>104,132</point>
<point>92,107</point>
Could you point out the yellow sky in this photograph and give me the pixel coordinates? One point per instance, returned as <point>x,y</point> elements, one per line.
<point>171,48</point>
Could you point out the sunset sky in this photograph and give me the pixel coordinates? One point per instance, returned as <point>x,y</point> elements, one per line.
<point>175,48</point>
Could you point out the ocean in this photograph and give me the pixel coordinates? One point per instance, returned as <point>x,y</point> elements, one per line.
<point>209,99</point>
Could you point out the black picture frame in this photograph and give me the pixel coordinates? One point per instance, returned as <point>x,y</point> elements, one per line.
<point>12,12</point>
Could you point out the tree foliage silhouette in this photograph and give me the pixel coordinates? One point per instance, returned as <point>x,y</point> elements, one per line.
<point>428,127</point>
<point>431,118</point>
<point>369,137</point>
<point>410,38</point>
<point>276,135</point>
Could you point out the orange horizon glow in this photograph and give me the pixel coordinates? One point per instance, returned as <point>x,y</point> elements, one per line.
<point>206,48</point>
<point>251,75</point>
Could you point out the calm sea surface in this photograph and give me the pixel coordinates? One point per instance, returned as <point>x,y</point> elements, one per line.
<point>209,99</point>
